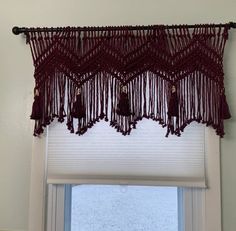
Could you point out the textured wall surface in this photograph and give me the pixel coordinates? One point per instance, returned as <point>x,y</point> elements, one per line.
<point>16,83</point>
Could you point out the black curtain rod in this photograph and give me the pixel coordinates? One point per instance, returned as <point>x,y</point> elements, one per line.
<point>18,30</point>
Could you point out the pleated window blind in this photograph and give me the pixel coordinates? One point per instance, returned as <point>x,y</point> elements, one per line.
<point>146,157</point>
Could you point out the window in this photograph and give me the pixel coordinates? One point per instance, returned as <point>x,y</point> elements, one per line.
<point>119,207</point>
<point>197,206</point>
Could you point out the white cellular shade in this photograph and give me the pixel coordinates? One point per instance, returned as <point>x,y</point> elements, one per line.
<point>146,157</point>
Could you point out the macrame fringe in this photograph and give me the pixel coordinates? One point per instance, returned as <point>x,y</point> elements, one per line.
<point>174,77</point>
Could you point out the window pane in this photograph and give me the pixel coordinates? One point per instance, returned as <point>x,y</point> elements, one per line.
<point>124,208</point>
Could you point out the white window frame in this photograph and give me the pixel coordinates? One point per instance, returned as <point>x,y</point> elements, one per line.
<point>58,208</point>
<point>191,214</point>
<point>201,207</point>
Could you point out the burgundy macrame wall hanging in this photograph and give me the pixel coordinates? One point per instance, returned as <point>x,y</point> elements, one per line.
<point>123,74</point>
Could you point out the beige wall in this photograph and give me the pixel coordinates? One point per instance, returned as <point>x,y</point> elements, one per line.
<point>16,83</point>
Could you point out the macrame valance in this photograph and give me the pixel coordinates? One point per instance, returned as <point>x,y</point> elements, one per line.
<point>121,74</point>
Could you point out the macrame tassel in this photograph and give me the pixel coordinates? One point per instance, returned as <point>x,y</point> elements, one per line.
<point>173,108</point>
<point>36,108</point>
<point>78,110</point>
<point>173,111</point>
<point>224,108</point>
<point>123,106</point>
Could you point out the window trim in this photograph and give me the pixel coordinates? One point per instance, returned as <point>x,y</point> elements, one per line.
<point>210,212</point>
<point>58,208</point>
<point>191,209</point>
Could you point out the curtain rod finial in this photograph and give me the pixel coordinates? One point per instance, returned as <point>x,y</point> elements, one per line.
<point>16,30</point>
<point>232,24</point>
